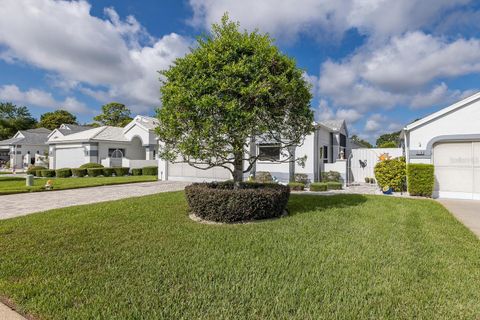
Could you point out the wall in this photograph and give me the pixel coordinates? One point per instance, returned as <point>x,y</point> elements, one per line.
<point>22,151</point>
<point>338,166</point>
<point>370,156</point>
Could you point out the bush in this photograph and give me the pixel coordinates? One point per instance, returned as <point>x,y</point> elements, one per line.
<point>421,179</point>
<point>107,172</point>
<point>297,186</point>
<point>79,172</point>
<point>33,169</point>
<point>150,171</point>
<point>334,185</point>
<point>391,173</point>
<point>119,172</point>
<point>318,186</point>
<point>263,177</point>
<point>63,173</point>
<point>91,165</point>
<point>95,172</point>
<point>47,173</point>
<point>253,201</point>
<point>137,172</point>
<point>301,178</point>
<point>331,176</point>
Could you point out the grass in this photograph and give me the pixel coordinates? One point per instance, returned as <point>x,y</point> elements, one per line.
<point>10,185</point>
<point>337,257</point>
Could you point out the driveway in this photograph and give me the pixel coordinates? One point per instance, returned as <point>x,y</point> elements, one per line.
<point>467,211</point>
<point>21,204</point>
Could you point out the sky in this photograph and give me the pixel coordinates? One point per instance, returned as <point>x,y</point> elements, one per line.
<point>378,64</point>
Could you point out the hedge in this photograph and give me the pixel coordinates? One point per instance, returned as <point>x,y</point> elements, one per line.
<point>63,173</point>
<point>421,179</point>
<point>119,172</point>
<point>297,186</point>
<point>107,172</point>
<point>318,186</point>
<point>334,185</point>
<point>33,169</point>
<point>47,173</point>
<point>331,176</point>
<point>95,172</point>
<point>91,165</point>
<point>137,172</point>
<point>79,172</point>
<point>391,173</point>
<point>252,201</point>
<point>150,171</point>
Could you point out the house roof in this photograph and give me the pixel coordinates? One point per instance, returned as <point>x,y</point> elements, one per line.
<point>36,136</point>
<point>148,123</point>
<point>444,111</point>
<point>334,125</point>
<point>104,133</point>
<point>67,129</point>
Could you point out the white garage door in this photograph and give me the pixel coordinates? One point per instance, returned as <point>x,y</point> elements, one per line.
<point>457,170</point>
<point>185,172</point>
<point>69,158</point>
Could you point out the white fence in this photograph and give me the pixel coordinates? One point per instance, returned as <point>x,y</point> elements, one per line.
<point>363,161</point>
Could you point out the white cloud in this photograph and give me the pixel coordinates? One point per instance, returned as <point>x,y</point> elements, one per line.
<point>41,98</point>
<point>374,123</point>
<point>63,38</point>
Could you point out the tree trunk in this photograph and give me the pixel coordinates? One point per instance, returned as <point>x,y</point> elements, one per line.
<point>238,170</point>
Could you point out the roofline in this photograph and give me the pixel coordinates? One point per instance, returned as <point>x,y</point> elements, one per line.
<point>446,110</point>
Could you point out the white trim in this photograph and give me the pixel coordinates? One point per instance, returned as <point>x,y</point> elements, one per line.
<point>456,195</point>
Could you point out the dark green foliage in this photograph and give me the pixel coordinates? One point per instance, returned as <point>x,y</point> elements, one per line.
<point>367,179</point>
<point>391,173</point>
<point>79,172</point>
<point>389,137</point>
<point>53,120</point>
<point>108,172</point>
<point>263,177</point>
<point>119,172</point>
<point>301,178</point>
<point>137,172</point>
<point>421,179</point>
<point>252,201</point>
<point>388,144</point>
<point>94,172</point>
<point>334,186</point>
<point>33,169</point>
<point>361,141</point>
<point>318,186</point>
<point>13,119</point>
<point>331,176</point>
<point>46,173</point>
<point>63,173</point>
<point>296,186</point>
<point>114,114</point>
<point>91,165</point>
<point>150,171</point>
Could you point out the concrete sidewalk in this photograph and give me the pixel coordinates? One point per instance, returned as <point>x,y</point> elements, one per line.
<point>8,314</point>
<point>466,211</point>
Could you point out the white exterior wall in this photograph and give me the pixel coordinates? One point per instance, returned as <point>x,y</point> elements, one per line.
<point>339,166</point>
<point>17,159</point>
<point>370,157</point>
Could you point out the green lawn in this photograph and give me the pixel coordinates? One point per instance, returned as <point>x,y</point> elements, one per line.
<point>333,257</point>
<point>9,185</point>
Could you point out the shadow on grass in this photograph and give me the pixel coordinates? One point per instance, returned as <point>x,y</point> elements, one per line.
<point>306,203</point>
<point>11,178</point>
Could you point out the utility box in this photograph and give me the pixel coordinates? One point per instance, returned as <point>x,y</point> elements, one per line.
<point>29,180</point>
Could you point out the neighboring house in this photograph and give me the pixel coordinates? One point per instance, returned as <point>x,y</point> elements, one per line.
<point>25,147</point>
<point>67,129</point>
<point>133,146</point>
<point>325,149</point>
<point>450,140</point>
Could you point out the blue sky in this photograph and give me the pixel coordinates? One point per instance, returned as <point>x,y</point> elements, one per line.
<point>379,64</point>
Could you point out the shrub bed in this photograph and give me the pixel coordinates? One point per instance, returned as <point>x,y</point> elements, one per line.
<point>221,203</point>
<point>319,186</point>
<point>33,169</point>
<point>297,186</point>
<point>137,172</point>
<point>263,177</point>
<point>334,185</point>
<point>107,172</point>
<point>301,178</point>
<point>331,176</point>
<point>150,171</point>
<point>63,173</point>
<point>95,172</point>
<point>47,173</point>
<point>91,165</point>
<point>79,172</point>
<point>391,173</point>
<point>119,172</point>
<point>421,179</point>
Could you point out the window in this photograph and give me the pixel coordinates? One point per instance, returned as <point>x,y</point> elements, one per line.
<point>324,154</point>
<point>269,152</point>
<point>116,153</point>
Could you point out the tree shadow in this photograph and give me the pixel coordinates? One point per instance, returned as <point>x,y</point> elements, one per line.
<point>300,203</point>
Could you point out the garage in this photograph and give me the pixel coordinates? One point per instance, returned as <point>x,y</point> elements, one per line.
<point>185,172</point>
<point>69,157</point>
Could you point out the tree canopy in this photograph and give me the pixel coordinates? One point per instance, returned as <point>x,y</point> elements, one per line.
<point>53,120</point>
<point>360,141</point>
<point>231,88</point>
<point>114,114</point>
<point>389,137</point>
<point>13,118</point>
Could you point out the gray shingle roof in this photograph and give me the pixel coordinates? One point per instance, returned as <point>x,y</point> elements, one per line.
<point>334,125</point>
<point>36,136</point>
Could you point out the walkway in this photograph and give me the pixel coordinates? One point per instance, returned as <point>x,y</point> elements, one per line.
<point>21,204</point>
<point>467,211</point>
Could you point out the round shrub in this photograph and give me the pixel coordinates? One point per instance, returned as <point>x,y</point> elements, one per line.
<point>91,165</point>
<point>331,176</point>
<point>421,179</point>
<point>47,173</point>
<point>252,201</point>
<point>119,172</point>
<point>301,178</point>
<point>318,186</point>
<point>334,186</point>
<point>391,173</point>
<point>95,172</point>
<point>150,171</point>
<point>79,172</point>
<point>63,173</point>
<point>137,172</point>
<point>107,172</point>
<point>263,177</point>
<point>33,169</point>
<point>296,186</point>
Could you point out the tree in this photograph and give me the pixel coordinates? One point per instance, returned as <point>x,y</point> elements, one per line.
<point>388,144</point>
<point>13,118</point>
<point>360,141</point>
<point>114,114</point>
<point>53,120</point>
<point>389,137</point>
<point>232,88</point>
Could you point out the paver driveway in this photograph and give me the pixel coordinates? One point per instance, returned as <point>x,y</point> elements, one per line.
<point>21,204</point>
<point>467,211</point>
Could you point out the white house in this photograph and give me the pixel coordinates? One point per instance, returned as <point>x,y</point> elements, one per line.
<point>25,147</point>
<point>450,140</point>
<point>133,146</point>
<point>325,149</point>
